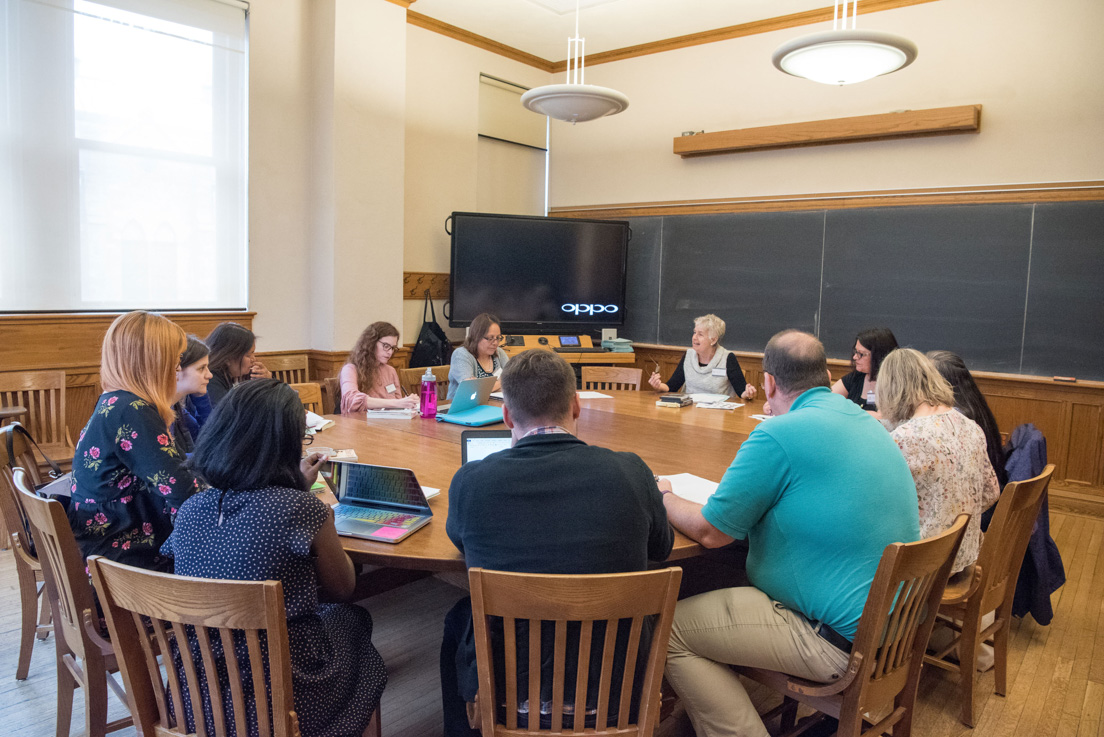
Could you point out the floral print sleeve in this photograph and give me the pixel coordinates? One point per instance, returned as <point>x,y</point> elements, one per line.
<point>129,479</point>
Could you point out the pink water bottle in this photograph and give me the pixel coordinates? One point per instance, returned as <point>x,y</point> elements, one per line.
<point>429,394</point>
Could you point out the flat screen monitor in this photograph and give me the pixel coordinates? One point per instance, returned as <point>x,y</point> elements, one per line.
<point>538,274</point>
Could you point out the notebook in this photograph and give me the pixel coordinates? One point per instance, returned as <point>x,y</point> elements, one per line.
<point>378,502</point>
<point>469,404</point>
<point>475,445</point>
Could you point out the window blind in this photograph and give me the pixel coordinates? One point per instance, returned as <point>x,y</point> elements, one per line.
<point>123,155</point>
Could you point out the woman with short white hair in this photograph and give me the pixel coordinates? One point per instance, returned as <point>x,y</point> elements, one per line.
<point>708,368</point>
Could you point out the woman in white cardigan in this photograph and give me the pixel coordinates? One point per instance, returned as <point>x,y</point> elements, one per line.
<point>708,368</point>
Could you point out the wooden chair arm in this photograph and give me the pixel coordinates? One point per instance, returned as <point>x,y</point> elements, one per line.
<point>21,552</point>
<point>92,629</point>
<point>960,592</point>
<point>813,688</point>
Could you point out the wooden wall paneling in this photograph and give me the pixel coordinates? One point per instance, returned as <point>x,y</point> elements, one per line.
<point>415,285</point>
<point>1085,459</point>
<point>903,124</point>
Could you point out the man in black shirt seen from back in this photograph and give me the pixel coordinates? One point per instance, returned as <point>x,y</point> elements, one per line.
<point>549,504</point>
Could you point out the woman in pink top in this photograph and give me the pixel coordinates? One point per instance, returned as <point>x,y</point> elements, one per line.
<point>368,381</point>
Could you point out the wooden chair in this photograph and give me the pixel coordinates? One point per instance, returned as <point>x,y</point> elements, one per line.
<point>331,396</point>
<point>411,380</point>
<point>42,393</point>
<point>606,598</point>
<point>288,369</point>
<point>28,570</point>
<point>990,586</point>
<point>84,657</point>
<point>888,651</point>
<point>177,605</point>
<point>606,377</point>
<point>310,395</point>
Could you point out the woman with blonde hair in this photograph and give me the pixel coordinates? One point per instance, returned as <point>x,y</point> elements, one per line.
<point>128,476</point>
<point>945,450</point>
<point>709,367</point>
<point>368,381</point>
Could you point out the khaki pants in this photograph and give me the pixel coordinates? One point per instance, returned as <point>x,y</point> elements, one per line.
<point>740,626</point>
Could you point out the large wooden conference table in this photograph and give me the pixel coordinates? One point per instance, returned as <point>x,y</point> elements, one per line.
<point>687,440</point>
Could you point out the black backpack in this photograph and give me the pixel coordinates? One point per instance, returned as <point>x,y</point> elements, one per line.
<point>433,347</point>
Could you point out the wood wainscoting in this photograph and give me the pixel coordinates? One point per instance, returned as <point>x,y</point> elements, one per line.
<point>1070,415</point>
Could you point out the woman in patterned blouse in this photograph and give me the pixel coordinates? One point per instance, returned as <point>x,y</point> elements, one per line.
<point>944,448</point>
<point>128,476</point>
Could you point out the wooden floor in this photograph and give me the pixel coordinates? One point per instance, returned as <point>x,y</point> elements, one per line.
<point>1056,673</point>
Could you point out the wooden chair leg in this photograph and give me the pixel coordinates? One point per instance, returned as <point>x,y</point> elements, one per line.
<point>1000,651</point>
<point>28,600</point>
<point>967,668</point>
<point>789,715</point>
<point>65,686</point>
<point>95,699</point>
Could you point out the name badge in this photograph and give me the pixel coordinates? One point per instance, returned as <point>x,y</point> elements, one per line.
<point>719,372</point>
<point>390,388</point>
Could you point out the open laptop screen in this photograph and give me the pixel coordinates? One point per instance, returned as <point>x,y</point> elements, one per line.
<point>478,444</point>
<point>381,486</point>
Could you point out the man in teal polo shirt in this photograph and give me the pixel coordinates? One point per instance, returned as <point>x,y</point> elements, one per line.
<point>819,490</point>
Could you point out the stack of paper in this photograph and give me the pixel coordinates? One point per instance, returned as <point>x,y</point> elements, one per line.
<point>392,414</point>
<point>691,487</point>
<point>317,423</point>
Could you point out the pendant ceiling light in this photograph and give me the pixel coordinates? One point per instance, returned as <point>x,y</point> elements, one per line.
<point>575,102</point>
<point>844,55</point>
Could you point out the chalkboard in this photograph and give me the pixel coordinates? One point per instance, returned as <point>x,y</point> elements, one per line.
<point>1016,288</point>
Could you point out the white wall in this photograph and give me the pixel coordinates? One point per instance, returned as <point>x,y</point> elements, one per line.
<point>442,163</point>
<point>1033,66</point>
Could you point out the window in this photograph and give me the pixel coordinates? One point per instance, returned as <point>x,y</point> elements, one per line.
<point>123,155</point>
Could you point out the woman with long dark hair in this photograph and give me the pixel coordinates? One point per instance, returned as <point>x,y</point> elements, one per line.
<point>259,521</point>
<point>871,347</point>
<point>233,359</point>
<point>192,404</point>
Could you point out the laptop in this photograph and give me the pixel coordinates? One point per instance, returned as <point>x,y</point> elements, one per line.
<point>469,404</point>
<point>475,445</point>
<point>378,502</point>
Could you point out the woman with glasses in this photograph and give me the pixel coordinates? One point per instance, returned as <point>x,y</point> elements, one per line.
<point>368,381</point>
<point>480,356</point>
<point>871,347</point>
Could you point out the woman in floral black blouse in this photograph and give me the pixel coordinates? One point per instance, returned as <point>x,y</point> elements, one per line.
<point>128,476</point>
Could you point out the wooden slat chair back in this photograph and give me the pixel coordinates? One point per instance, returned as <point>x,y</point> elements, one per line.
<point>42,393</point>
<point>310,395</point>
<point>884,669</point>
<point>35,619</point>
<point>588,600</point>
<point>331,396</point>
<point>182,609</point>
<point>411,380</point>
<point>288,369</point>
<point>84,657</point>
<point>598,378</point>
<point>991,585</point>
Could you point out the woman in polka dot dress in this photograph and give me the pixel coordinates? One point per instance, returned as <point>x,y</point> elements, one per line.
<point>258,521</point>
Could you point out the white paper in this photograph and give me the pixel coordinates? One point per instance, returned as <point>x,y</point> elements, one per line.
<point>718,405</point>
<point>701,397</point>
<point>496,395</point>
<point>317,422</point>
<point>760,417</point>
<point>391,414</point>
<point>690,487</point>
<point>593,395</point>
<point>430,492</point>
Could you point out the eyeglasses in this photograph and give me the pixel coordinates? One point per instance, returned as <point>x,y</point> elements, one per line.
<point>308,439</point>
<point>495,338</point>
<point>389,347</point>
<point>861,354</point>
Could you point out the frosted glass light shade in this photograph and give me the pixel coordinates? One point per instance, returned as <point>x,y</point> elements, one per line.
<point>844,56</point>
<point>574,103</point>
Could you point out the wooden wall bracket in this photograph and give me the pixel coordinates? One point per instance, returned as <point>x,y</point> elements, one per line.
<point>903,124</point>
<point>415,285</point>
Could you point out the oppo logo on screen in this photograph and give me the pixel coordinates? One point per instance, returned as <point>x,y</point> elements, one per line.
<point>577,309</point>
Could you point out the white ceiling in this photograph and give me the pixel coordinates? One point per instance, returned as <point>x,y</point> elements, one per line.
<point>542,27</point>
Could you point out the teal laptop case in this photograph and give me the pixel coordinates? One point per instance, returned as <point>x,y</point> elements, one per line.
<point>484,414</point>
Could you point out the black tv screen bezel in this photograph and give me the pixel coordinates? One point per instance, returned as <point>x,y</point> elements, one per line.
<point>534,326</point>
